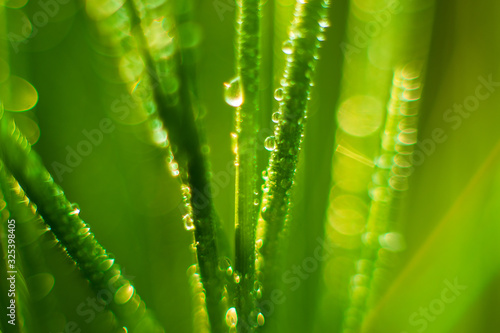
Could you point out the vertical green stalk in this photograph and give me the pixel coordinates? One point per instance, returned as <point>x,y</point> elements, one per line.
<point>248,70</point>
<point>169,81</point>
<point>390,179</point>
<point>29,249</point>
<point>96,264</point>
<point>305,35</point>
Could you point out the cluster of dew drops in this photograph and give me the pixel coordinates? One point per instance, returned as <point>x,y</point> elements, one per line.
<point>233,90</point>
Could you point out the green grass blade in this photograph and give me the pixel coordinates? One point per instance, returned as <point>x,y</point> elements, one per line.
<point>382,240</point>
<point>71,231</point>
<point>248,70</point>
<point>170,89</point>
<point>29,230</point>
<point>302,48</point>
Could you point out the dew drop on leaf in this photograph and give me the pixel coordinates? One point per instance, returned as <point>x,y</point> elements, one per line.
<point>174,168</point>
<point>260,319</point>
<point>270,143</point>
<point>188,222</point>
<point>17,94</point>
<point>106,264</point>
<point>278,94</point>
<point>287,47</point>
<point>124,294</point>
<point>231,317</point>
<point>75,209</point>
<point>233,92</point>
<point>276,117</point>
<point>259,243</point>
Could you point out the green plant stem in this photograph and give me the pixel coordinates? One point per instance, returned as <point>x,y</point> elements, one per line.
<point>248,70</point>
<point>299,72</point>
<point>184,137</point>
<point>72,232</point>
<point>390,176</point>
<point>28,225</point>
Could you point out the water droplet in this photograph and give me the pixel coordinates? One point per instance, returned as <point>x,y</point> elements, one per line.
<point>324,23</point>
<point>260,319</point>
<point>321,37</point>
<point>276,117</point>
<point>229,271</point>
<point>270,143</point>
<point>106,264</point>
<point>124,294</point>
<point>17,94</point>
<point>392,241</point>
<point>259,243</point>
<point>287,47</point>
<point>278,94</point>
<point>75,209</point>
<point>408,136</point>
<point>188,222</point>
<point>174,168</point>
<point>231,317</point>
<point>398,183</point>
<point>233,93</point>
<point>237,278</point>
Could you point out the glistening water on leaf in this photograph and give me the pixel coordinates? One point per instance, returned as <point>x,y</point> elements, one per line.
<point>285,144</point>
<point>382,240</point>
<point>175,107</point>
<point>70,230</point>
<point>247,100</point>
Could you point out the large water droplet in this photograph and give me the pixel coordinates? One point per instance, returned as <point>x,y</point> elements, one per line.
<point>260,319</point>
<point>17,94</point>
<point>233,93</point>
<point>270,143</point>
<point>287,47</point>
<point>231,317</point>
<point>124,294</point>
<point>278,94</point>
<point>258,243</point>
